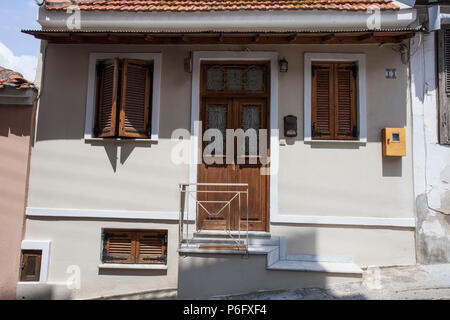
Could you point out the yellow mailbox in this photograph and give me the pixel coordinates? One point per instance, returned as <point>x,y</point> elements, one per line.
<point>394,142</point>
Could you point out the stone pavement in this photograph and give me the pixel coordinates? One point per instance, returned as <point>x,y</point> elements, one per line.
<point>430,282</point>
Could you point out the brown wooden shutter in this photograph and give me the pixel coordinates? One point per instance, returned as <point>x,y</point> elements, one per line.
<point>135,100</point>
<point>31,265</point>
<point>152,247</point>
<point>345,101</point>
<point>107,99</point>
<point>444,84</point>
<point>322,99</point>
<point>119,246</point>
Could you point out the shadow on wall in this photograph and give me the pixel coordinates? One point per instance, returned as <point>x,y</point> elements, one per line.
<point>213,275</point>
<point>115,147</point>
<point>15,120</point>
<point>43,291</point>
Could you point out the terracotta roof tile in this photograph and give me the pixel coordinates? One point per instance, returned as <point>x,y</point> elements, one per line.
<point>10,78</point>
<point>219,5</point>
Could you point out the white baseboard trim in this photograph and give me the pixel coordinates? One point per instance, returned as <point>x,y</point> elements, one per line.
<point>101,214</point>
<point>350,221</point>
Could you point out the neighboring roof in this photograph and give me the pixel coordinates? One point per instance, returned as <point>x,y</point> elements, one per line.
<point>10,78</point>
<point>219,5</point>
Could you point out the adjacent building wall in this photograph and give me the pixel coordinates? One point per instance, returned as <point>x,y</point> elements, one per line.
<point>15,130</point>
<point>431,159</point>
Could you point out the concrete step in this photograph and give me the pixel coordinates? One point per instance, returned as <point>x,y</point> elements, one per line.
<point>224,234</point>
<point>214,242</point>
<point>258,250</point>
<point>317,266</point>
<point>311,257</point>
<point>252,241</point>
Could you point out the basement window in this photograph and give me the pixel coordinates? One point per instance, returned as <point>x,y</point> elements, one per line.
<point>134,246</point>
<point>30,268</point>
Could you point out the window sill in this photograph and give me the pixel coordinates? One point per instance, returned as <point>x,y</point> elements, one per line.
<point>118,140</point>
<point>356,142</point>
<point>133,266</point>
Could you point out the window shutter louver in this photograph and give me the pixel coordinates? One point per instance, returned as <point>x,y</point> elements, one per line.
<point>152,247</point>
<point>444,84</point>
<point>119,247</point>
<point>135,100</point>
<point>107,99</point>
<point>446,32</point>
<point>321,101</point>
<point>31,265</point>
<point>345,101</point>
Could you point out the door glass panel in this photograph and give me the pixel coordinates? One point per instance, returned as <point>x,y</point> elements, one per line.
<point>234,79</point>
<point>214,79</point>
<point>251,120</point>
<point>217,119</point>
<point>255,80</point>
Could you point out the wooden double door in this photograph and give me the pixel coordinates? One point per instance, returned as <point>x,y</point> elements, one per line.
<point>221,207</point>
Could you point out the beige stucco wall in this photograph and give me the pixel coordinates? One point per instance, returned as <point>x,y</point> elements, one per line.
<point>77,244</point>
<point>15,123</point>
<point>315,180</point>
<point>320,179</point>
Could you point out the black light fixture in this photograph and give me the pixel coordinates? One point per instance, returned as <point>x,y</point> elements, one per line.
<point>283,65</point>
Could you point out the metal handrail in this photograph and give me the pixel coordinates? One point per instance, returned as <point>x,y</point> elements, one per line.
<point>187,193</point>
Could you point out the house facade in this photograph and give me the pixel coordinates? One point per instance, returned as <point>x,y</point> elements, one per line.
<point>137,184</point>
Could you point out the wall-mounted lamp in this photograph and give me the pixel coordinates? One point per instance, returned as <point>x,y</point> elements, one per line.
<point>283,65</point>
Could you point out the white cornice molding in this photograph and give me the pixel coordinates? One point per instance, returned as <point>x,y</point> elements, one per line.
<point>101,214</point>
<point>345,221</point>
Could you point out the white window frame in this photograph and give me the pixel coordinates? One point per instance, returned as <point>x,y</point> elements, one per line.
<point>156,58</point>
<point>44,247</point>
<point>360,59</point>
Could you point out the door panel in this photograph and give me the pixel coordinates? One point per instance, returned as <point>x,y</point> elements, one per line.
<point>217,114</point>
<point>252,114</point>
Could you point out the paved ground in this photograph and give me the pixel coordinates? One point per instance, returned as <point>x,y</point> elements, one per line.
<point>430,282</point>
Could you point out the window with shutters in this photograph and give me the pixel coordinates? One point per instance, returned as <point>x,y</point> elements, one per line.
<point>334,101</point>
<point>30,268</point>
<point>134,246</point>
<point>444,84</point>
<point>123,106</point>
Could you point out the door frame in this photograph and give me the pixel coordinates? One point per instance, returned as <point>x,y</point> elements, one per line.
<point>196,141</point>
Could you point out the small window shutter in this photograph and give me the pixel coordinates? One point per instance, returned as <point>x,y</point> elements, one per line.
<point>107,99</point>
<point>119,247</point>
<point>152,247</point>
<point>135,100</point>
<point>321,101</point>
<point>31,265</point>
<point>345,101</point>
<point>444,84</point>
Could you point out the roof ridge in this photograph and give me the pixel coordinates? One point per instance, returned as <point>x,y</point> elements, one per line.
<point>219,5</point>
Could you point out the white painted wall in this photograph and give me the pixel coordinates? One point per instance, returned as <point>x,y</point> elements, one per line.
<point>431,160</point>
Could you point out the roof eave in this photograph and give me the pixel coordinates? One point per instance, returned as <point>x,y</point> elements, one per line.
<point>217,21</point>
